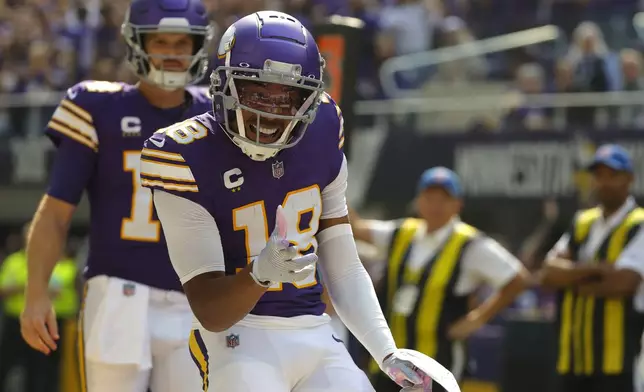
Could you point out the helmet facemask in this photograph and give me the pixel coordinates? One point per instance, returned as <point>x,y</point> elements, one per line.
<point>266,110</point>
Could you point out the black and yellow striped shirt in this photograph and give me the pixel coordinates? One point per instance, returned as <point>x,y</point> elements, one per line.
<point>431,305</point>
<point>598,335</point>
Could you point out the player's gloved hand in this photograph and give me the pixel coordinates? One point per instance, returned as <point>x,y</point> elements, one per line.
<point>415,371</point>
<point>401,368</point>
<point>279,261</point>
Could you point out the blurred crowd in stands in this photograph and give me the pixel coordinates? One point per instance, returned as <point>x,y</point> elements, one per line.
<point>48,45</point>
<point>51,44</point>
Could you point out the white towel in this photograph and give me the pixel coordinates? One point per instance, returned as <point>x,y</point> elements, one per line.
<point>116,322</point>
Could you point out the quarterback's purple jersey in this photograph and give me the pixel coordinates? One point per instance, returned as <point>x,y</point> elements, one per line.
<point>99,128</point>
<point>196,160</point>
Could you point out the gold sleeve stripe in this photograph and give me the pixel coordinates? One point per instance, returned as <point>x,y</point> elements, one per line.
<point>169,186</point>
<point>167,171</point>
<point>341,143</point>
<point>72,135</point>
<point>74,122</point>
<point>80,112</point>
<point>170,156</point>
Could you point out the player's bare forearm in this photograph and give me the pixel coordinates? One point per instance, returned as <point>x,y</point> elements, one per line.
<point>614,283</point>
<point>562,273</point>
<point>46,241</point>
<point>220,301</point>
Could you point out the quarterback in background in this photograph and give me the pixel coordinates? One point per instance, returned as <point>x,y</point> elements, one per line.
<point>136,319</point>
<point>269,156</point>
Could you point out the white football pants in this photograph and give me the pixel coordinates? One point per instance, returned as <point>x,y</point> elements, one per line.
<point>134,337</point>
<point>247,359</point>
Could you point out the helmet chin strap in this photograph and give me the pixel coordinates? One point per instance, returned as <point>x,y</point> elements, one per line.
<point>168,80</point>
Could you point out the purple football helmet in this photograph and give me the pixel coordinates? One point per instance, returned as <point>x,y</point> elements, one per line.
<point>167,16</point>
<point>268,71</point>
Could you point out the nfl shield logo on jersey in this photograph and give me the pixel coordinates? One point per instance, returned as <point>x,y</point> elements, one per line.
<point>278,169</point>
<point>232,340</point>
<point>129,289</point>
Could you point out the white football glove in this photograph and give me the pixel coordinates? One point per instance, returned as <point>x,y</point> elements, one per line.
<point>414,371</point>
<point>279,261</point>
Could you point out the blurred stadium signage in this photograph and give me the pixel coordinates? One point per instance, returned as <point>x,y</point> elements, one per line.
<point>506,177</point>
<point>517,166</point>
<point>536,168</point>
<point>516,169</point>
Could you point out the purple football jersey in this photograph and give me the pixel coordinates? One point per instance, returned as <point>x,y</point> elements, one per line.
<point>112,120</point>
<point>198,161</point>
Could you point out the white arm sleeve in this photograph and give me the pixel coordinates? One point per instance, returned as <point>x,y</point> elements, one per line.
<point>192,236</point>
<point>334,200</point>
<point>349,284</point>
<point>352,292</point>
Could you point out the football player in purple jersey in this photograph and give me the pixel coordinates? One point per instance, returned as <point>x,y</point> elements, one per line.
<point>269,156</point>
<point>135,319</point>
